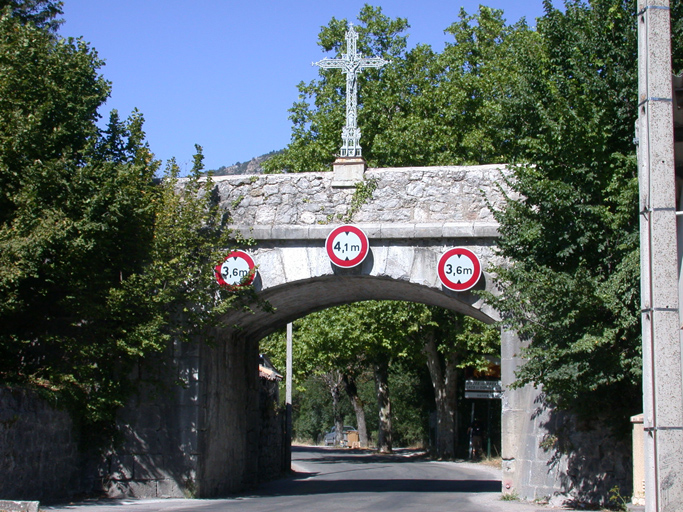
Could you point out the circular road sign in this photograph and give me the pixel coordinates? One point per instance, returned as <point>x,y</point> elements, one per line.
<point>347,246</point>
<point>238,269</point>
<point>459,269</point>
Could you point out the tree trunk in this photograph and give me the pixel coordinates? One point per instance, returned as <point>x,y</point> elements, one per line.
<point>334,381</point>
<point>384,407</point>
<point>352,391</point>
<point>444,379</point>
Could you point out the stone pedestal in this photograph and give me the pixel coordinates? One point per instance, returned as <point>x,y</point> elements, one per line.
<point>348,171</point>
<point>638,460</point>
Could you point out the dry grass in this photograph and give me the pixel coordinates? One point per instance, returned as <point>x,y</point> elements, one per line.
<point>494,462</point>
<point>303,442</point>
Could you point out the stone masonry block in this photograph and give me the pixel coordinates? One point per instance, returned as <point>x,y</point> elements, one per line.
<point>295,264</point>
<point>19,506</point>
<point>169,488</point>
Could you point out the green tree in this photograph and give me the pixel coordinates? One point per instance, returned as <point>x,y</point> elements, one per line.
<point>450,342</point>
<point>384,339</point>
<point>330,344</point>
<point>101,264</point>
<point>572,289</point>
<point>312,413</point>
<point>319,114</point>
<point>423,108</point>
<point>41,13</point>
<point>344,344</point>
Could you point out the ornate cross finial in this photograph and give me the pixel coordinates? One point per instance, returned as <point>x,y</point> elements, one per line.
<point>351,63</point>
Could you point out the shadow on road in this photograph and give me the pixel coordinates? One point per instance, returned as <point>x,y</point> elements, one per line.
<point>307,487</point>
<point>300,483</point>
<point>355,456</point>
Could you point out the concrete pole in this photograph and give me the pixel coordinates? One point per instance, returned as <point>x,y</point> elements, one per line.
<point>288,397</point>
<point>288,381</point>
<point>662,376</point>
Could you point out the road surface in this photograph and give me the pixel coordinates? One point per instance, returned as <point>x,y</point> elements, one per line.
<point>337,480</point>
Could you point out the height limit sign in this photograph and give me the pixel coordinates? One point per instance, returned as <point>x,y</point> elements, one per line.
<point>238,269</point>
<point>459,269</point>
<point>347,246</point>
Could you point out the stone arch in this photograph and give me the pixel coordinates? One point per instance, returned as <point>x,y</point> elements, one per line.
<point>227,438</point>
<point>300,298</point>
<point>211,424</point>
<point>297,278</point>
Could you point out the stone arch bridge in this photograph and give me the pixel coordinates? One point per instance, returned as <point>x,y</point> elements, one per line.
<point>203,437</point>
<point>411,216</point>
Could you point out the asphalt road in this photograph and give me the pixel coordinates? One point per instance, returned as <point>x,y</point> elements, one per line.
<point>334,480</point>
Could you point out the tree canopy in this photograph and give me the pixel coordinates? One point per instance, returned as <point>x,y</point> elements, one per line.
<point>101,263</point>
<point>376,337</point>
<point>41,13</point>
<point>572,290</point>
<point>423,108</point>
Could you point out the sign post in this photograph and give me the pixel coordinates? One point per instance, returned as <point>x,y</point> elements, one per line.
<point>487,389</point>
<point>347,246</point>
<point>459,269</point>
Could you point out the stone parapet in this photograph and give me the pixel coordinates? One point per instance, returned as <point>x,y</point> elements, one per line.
<point>407,196</point>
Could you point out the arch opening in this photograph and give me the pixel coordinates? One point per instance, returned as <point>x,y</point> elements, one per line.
<point>299,298</point>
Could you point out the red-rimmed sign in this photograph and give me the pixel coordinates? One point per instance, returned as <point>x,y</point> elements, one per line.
<point>459,269</point>
<point>347,246</point>
<point>238,269</point>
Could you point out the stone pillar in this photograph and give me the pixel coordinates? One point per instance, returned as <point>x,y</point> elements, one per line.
<point>519,433</point>
<point>158,453</point>
<point>229,419</point>
<point>348,171</point>
<point>638,461</point>
<point>662,378</point>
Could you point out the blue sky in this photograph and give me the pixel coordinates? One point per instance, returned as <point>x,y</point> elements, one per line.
<point>223,73</point>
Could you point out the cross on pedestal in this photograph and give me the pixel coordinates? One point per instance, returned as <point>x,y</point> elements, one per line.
<point>351,63</point>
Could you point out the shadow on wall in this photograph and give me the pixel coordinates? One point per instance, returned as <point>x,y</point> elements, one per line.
<point>39,449</point>
<point>590,461</point>
<point>156,456</point>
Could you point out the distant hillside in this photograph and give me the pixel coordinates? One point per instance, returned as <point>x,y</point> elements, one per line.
<point>253,166</point>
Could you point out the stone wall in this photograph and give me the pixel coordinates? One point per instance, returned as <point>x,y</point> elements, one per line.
<point>272,450</point>
<point>39,455</point>
<point>158,452</point>
<point>229,416</point>
<point>549,454</point>
<point>569,461</point>
<point>424,195</point>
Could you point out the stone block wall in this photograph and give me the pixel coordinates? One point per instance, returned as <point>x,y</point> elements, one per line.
<point>548,454</point>
<point>566,460</point>
<point>411,195</point>
<point>229,416</point>
<point>39,454</point>
<point>203,431</point>
<point>272,457</point>
<point>158,455</point>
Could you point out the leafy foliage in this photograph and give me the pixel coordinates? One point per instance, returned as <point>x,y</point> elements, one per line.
<point>572,290</point>
<point>423,108</point>
<point>353,339</point>
<point>41,13</point>
<point>461,338</point>
<point>101,264</point>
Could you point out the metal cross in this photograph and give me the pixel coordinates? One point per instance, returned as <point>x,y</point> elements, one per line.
<point>351,63</point>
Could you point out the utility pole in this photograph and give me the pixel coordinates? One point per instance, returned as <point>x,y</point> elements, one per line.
<point>660,269</point>
<point>288,398</point>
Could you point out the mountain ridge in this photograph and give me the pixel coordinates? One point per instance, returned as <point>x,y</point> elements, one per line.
<point>253,166</point>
